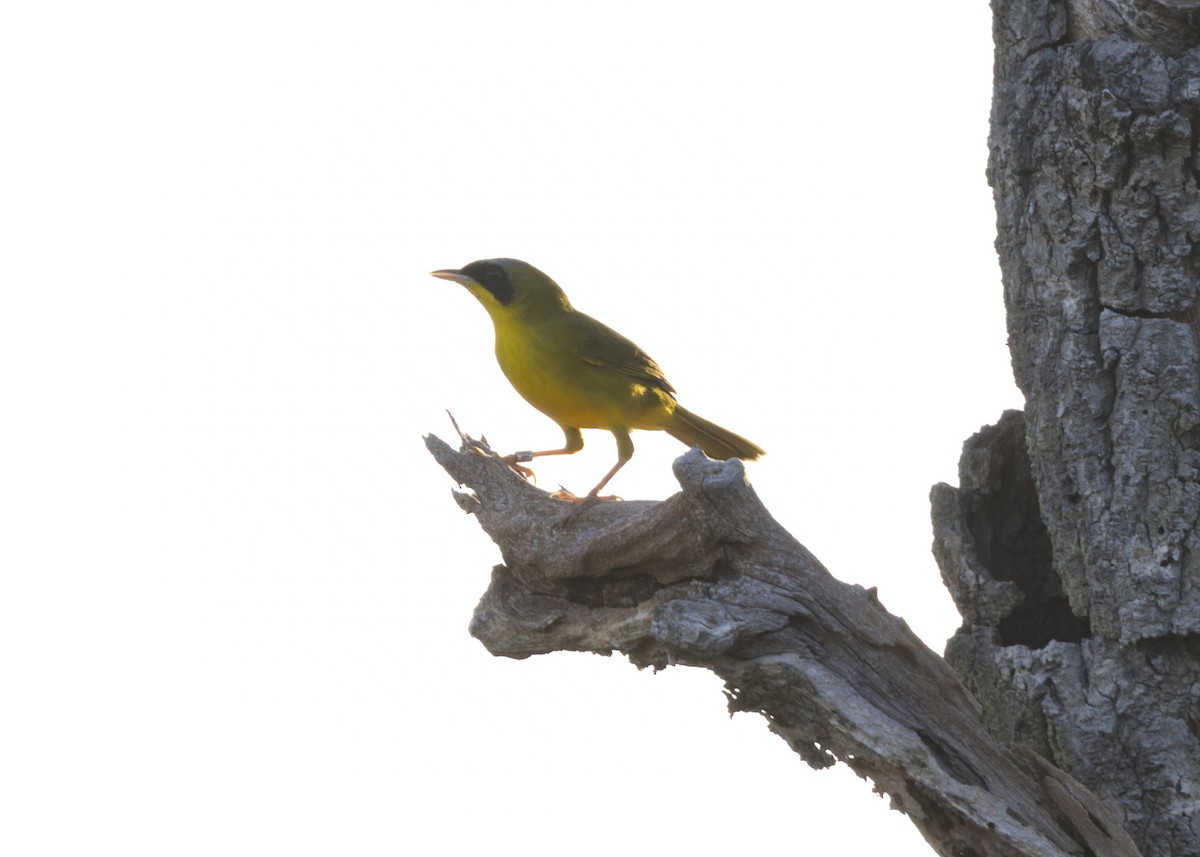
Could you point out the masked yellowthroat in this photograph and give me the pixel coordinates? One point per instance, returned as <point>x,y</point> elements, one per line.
<point>579,372</point>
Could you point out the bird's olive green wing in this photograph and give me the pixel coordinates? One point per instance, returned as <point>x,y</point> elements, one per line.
<point>600,345</point>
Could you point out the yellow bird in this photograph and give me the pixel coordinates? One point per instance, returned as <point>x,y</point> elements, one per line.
<point>579,372</point>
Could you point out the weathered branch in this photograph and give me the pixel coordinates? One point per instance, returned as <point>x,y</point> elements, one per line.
<point>708,578</point>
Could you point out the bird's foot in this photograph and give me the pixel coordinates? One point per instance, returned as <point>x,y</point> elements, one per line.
<point>482,449</point>
<point>513,462</point>
<point>583,502</point>
<point>579,505</point>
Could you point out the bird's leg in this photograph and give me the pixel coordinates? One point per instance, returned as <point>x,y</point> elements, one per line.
<point>624,453</point>
<point>574,443</point>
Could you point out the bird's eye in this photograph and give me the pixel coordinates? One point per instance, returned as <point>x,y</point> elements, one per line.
<point>492,277</point>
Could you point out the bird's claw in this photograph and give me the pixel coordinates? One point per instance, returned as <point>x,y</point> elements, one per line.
<point>480,447</point>
<point>579,505</point>
<point>511,461</point>
<point>583,502</point>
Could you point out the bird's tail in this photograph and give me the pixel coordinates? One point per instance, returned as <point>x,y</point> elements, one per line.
<point>717,443</point>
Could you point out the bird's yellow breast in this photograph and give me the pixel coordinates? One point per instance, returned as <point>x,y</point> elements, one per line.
<point>542,362</point>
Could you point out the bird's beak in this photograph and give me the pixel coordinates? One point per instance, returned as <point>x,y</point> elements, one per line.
<point>449,274</point>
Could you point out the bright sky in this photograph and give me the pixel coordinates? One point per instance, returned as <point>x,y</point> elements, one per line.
<point>235,587</point>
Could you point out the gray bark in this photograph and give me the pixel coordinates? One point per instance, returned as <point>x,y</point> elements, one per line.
<point>707,578</point>
<point>1071,544</point>
<point>1168,26</point>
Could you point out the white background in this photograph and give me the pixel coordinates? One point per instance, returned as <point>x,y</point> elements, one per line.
<point>235,588</point>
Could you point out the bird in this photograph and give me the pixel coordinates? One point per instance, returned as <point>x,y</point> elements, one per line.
<point>579,372</point>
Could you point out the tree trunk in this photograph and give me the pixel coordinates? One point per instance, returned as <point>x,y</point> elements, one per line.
<point>1070,547</point>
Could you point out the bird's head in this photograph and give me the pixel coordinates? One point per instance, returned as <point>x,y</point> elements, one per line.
<point>509,287</point>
